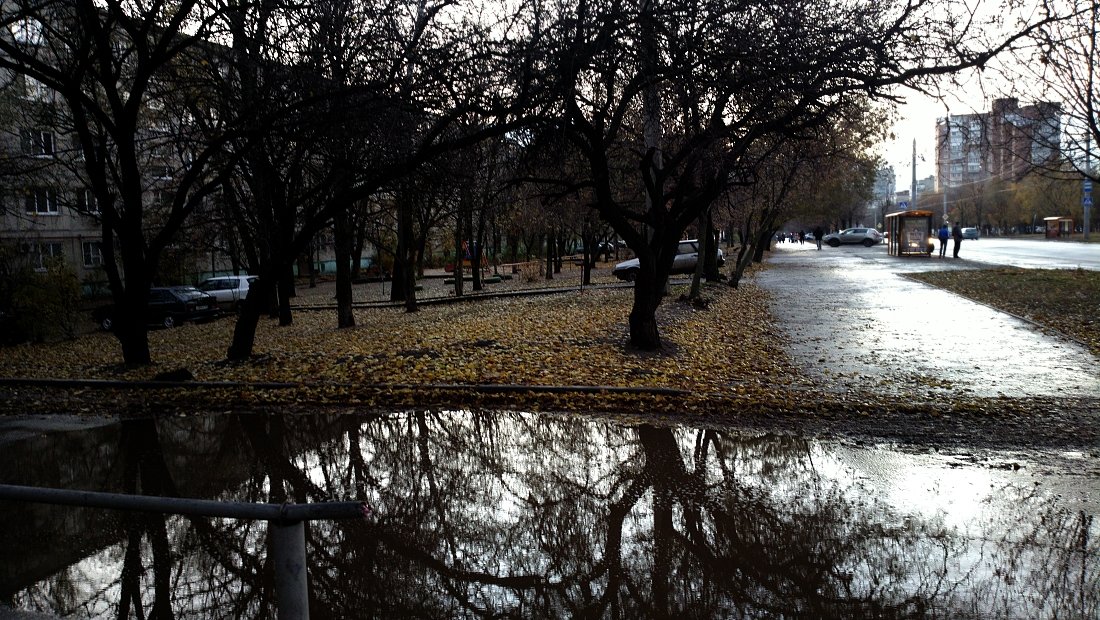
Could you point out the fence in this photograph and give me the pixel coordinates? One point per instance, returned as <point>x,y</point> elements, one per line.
<point>287,523</point>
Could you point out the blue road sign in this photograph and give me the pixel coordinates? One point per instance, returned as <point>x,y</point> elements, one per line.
<point>903,205</point>
<point>1086,201</point>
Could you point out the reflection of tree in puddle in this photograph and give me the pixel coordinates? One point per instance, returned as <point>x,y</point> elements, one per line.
<point>523,515</point>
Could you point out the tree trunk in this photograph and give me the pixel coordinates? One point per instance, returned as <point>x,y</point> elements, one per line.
<point>244,334</point>
<point>286,292</point>
<point>312,266</point>
<point>475,252</point>
<point>460,255</point>
<point>643,315</point>
<point>401,265</point>
<point>550,246</point>
<point>343,238</point>
<point>358,240</point>
<point>130,322</point>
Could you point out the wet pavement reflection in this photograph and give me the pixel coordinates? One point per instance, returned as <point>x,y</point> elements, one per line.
<point>524,515</point>
<point>853,321</point>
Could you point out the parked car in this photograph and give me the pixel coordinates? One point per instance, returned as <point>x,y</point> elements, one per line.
<point>230,291</point>
<point>169,306</point>
<point>687,255</point>
<point>970,233</point>
<point>865,236</point>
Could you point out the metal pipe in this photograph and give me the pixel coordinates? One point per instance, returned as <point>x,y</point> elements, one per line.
<point>185,506</point>
<point>288,555</point>
<point>286,523</point>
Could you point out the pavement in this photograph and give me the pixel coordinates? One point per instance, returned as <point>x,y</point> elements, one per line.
<point>854,320</point>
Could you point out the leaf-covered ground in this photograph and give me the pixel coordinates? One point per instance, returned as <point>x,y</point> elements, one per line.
<point>1067,300</point>
<point>721,364</point>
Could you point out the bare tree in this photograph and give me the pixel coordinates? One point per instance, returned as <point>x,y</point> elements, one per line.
<point>416,73</point>
<point>1064,67</point>
<point>726,76</point>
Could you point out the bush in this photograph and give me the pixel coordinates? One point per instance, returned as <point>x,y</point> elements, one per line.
<point>45,306</point>
<point>531,271</point>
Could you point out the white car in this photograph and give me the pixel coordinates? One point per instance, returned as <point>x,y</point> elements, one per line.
<point>687,255</point>
<point>865,236</point>
<point>230,291</point>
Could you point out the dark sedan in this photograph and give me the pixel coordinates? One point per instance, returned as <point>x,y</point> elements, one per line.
<point>169,306</point>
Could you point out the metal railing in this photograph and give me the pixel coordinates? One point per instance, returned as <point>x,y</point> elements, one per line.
<point>287,523</point>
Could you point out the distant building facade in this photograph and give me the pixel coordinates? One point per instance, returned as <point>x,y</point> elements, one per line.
<point>1005,143</point>
<point>885,184</point>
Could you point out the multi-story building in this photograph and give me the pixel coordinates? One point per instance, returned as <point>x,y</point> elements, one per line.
<point>1004,143</point>
<point>885,185</point>
<point>45,210</point>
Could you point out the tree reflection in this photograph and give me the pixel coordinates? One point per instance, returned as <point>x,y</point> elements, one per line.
<point>490,514</point>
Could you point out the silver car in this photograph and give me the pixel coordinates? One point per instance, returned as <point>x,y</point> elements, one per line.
<point>230,291</point>
<point>865,236</point>
<point>687,255</point>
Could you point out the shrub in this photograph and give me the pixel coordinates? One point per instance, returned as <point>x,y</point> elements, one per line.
<point>46,305</point>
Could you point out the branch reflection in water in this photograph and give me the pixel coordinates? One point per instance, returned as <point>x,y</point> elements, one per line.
<point>486,513</point>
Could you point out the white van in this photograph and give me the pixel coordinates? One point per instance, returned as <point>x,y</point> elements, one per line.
<point>230,291</point>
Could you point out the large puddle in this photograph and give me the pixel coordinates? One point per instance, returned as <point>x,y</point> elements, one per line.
<point>522,515</point>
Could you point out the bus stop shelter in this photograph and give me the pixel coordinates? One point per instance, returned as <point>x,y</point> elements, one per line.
<point>1058,226</point>
<point>909,233</point>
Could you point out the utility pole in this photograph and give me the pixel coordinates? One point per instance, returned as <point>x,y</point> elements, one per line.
<point>1086,184</point>
<point>913,189</point>
<point>946,160</point>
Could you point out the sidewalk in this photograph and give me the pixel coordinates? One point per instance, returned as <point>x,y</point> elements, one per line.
<point>853,319</point>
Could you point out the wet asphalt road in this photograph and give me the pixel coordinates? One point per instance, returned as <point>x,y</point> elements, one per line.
<point>1033,253</point>
<point>854,321</point>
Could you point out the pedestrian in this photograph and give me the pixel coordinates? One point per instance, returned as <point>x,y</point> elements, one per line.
<point>957,233</point>
<point>818,234</point>
<point>801,237</point>
<point>944,233</point>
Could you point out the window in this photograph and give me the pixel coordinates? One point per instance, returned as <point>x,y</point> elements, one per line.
<point>36,91</point>
<point>41,201</point>
<point>27,31</point>
<point>78,147</point>
<point>86,202</point>
<point>40,252</point>
<point>37,143</point>
<point>93,253</point>
<point>973,162</point>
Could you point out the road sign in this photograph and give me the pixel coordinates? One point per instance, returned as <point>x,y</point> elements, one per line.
<point>1088,185</point>
<point>1086,201</point>
<point>903,205</point>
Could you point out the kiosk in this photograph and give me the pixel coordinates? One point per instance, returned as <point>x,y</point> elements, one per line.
<point>1058,227</point>
<point>910,233</point>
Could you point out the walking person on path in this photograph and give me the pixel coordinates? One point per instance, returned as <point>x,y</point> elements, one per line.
<point>957,233</point>
<point>818,234</point>
<point>943,235</point>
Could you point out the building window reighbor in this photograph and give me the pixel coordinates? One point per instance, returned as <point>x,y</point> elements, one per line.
<point>28,31</point>
<point>93,253</point>
<point>37,143</point>
<point>39,252</point>
<point>86,202</point>
<point>41,201</point>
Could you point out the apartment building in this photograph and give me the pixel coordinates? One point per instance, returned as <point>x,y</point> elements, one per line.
<point>45,209</point>
<point>1004,143</point>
